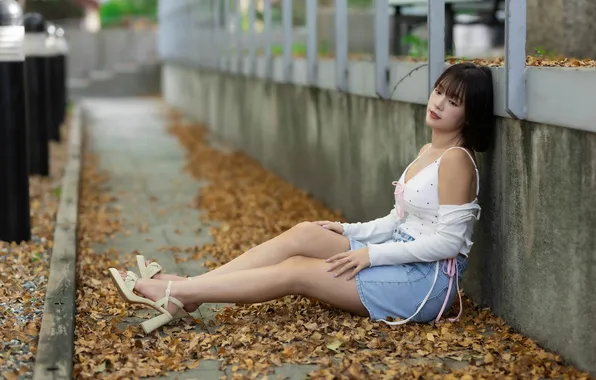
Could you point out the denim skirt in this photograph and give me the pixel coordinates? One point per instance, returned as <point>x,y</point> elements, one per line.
<point>398,290</point>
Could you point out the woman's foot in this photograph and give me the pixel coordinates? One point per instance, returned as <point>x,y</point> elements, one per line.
<point>165,276</point>
<point>149,269</point>
<point>154,289</point>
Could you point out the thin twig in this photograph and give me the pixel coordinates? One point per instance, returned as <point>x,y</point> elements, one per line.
<point>407,75</point>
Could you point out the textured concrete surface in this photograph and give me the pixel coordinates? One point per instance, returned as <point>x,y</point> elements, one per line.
<point>562,27</point>
<point>138,80</point>
<point>534,258</point>
<point>108,48</point>
<point>145,166</point>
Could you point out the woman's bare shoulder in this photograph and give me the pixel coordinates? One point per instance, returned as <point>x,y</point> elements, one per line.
<point>456,175</point>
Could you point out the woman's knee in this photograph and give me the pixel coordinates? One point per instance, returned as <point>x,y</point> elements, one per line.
<point>295,270</point>
<point>302,232</point>
<point>305,229</point>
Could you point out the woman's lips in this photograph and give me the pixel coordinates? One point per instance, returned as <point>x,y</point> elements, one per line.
<point>434,115</point>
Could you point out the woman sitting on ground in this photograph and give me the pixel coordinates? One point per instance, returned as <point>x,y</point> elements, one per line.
<point>405,265</point>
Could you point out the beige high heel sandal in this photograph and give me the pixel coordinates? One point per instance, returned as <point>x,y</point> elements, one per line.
<point>165,318</point>
<point>125,288</point>
<point>148,271</point>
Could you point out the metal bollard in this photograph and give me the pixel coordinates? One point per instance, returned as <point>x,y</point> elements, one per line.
<point>53,55</point>
<point>62,47</point>
<point>36,78</point>
<point>15,222</point>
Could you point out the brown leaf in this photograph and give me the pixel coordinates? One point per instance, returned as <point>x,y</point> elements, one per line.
<point>10,375</point>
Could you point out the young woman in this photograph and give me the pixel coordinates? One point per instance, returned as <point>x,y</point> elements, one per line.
<point>405,265</point>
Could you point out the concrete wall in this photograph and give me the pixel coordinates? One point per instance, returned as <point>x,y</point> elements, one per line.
<point>113,62</point>
<point>108,49</point>
<point>534,259</point>
<point>562,27</point>
<point>361,30</point>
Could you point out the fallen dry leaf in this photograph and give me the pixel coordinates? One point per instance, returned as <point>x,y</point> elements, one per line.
<point>22,293</point>
<point>252,205</point>
<point>334,346</point>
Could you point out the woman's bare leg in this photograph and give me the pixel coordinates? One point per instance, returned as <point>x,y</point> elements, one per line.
<point>297,275</point>
<point>305,239</point>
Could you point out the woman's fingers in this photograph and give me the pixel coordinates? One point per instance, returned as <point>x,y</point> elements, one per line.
<point>355,272</point>
<point>336,265</point>
<point>346,264</point>
<point>336,257</point>
<point>346,267</point>
<point>335,228</point>
<point>331,226</point>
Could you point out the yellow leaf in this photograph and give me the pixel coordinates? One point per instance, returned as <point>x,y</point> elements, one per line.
<point>489,358</point>
<point>334,346</point>
<point>100,368</point>
<point>430,337</point>
<point>193,365</point>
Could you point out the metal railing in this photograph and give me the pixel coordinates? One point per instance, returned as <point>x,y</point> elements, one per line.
<point>214,28</point>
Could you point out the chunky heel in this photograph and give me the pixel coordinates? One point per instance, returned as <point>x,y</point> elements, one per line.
<point>155,323</point>
<point>163,319</point>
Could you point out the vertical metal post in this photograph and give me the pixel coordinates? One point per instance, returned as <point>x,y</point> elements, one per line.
<point>252,33</point>
<point>267,37</point>
<point>436,41</point>
<point>53,57</point>
<point>312,42</point>
<point>209,31</point>
<point>62,46</point>
<point>515,59</point>
<point>226,36</point>
<point>397,26</point>
<point>341,44</point>
<point>239,36</point>
<point>214,35</point>
<point>196,34</point>
<point>15,221</point>
<point>38,95</point>
<point>382,48</point>
<point>287,26</point>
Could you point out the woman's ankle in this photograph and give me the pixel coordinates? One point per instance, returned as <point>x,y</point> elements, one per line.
<point>167,277</point>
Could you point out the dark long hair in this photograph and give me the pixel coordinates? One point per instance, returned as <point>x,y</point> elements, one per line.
<point>473,85</point>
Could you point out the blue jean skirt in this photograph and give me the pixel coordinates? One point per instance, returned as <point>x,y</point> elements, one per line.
<point>398,290</point>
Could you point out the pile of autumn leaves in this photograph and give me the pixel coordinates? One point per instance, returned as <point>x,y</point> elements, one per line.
<point>254,205</point>
<point>25,270</point>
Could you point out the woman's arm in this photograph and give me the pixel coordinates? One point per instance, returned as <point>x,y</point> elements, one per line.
<point>375,231</point>
<point>378,230</point>
<point>456,217</point>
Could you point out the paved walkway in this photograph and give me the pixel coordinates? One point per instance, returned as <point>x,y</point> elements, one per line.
<point>145,164</point>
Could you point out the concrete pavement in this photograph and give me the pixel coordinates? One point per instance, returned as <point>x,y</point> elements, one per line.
<point>145,167</point>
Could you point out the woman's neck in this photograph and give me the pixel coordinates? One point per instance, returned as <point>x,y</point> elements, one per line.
<point>445,140</point>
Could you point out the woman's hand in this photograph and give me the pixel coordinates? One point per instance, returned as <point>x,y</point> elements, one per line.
<point>355,260</point>
<point>331,226</point>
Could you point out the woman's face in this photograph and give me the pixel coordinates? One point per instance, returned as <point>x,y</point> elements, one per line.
<point>443,112</point>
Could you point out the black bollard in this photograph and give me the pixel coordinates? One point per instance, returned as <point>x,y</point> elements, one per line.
<point>15,222</point>
<point>54,87</point>
<point>37,94</point>
<point>62,47</point>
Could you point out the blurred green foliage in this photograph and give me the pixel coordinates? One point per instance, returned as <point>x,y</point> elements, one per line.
<point>116,12</point>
